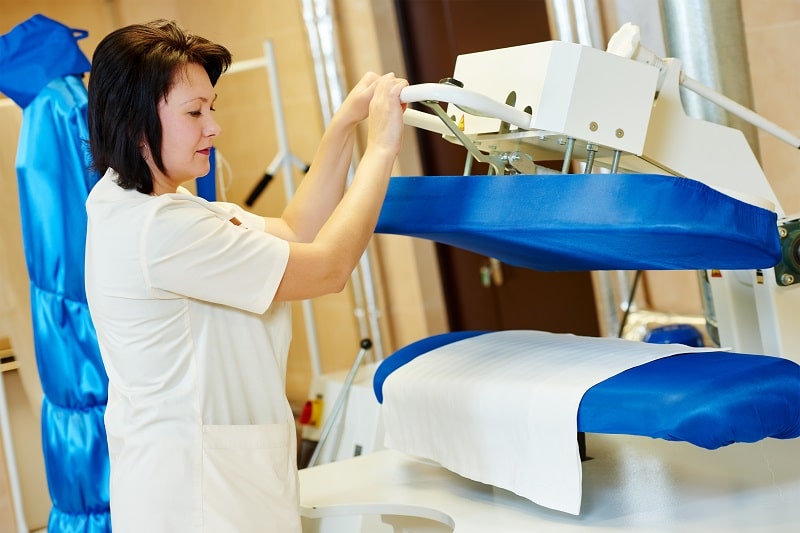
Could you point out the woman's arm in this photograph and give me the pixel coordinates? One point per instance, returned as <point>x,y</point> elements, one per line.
<point>323,185</point>
<point>324,265</point>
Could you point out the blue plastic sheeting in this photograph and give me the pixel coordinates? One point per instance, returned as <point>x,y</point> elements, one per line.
<point>54,181</point>
<point>569,222</point>
<point>710,399</point>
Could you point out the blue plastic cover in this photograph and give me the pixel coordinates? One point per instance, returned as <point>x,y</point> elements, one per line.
<point>568,222</point>
<point>710,399</point>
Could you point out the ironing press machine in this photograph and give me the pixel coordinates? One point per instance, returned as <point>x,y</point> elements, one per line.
<point>480,426</point>
<point>605,112</point>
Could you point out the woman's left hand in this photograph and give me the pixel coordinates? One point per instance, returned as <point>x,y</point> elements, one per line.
<point>355,107</point>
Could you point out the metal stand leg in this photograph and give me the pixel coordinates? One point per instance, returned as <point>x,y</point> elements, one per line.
<point>11,463</point>
<point>366,344</point>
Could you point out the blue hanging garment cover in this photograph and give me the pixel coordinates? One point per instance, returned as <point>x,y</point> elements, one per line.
<point>569,222</point>
<point>41,64</point>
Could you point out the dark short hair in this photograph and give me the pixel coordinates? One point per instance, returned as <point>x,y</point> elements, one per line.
<point>133,69</point>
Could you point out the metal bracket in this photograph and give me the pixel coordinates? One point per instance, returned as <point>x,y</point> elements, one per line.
<point>495,162</point>
<point>787,271</point>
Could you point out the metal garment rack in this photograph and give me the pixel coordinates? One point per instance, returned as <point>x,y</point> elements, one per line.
<point>318,18</point>
<point>284,160</point>
<point>5,425</point>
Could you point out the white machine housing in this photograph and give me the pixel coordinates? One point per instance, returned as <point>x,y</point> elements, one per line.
<point>574,90</point>
<point>614,104</point>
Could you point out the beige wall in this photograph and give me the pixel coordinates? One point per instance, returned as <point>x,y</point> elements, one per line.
<point>772,29</point>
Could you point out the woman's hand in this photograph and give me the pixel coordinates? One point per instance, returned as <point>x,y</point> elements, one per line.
<point>386,114</point>
<point>324,263</point>
<point>355,107</point>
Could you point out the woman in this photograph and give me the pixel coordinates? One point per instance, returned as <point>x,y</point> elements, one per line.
<point>189,298</point>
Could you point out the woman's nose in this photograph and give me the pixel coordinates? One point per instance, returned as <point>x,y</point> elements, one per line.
<point>212,128</point>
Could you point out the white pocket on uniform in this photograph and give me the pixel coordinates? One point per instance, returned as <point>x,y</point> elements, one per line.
<point>250,479</point>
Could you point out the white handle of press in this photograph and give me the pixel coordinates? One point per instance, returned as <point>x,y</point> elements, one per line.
<point>471,102</point>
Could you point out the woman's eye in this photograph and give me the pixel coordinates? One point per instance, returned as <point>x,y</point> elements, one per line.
<point>199,112</point>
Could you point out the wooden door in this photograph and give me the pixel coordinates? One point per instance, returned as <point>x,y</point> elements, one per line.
<point>434,33</point>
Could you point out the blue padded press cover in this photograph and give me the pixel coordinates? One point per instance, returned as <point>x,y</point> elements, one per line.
<point>570,222</point>
<point>710,399</point>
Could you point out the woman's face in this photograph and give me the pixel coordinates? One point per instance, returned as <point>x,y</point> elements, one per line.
<point>188,129</point>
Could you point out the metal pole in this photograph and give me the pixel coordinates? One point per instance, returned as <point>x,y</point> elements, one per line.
<point>576,21</point>
<point>708,37</point>
<point>286,165</point>
<point>319,27</point>
<point>283,159</point>
<point>366,344</point>
<point>568,156</point>
<point>11,463</point>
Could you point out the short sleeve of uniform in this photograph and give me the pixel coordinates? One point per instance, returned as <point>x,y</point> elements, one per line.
<point>250,220</point>
<point>192,249</point>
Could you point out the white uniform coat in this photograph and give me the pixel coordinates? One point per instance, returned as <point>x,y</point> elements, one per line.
<point>200,434</point>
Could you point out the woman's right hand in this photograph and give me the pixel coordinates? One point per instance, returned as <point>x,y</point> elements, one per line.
<point>386,114</point>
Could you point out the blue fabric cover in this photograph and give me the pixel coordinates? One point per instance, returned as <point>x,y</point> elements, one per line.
<point>710,399</point>
<point>410,352</point>
<point>54,181</point>
<point>675,334</point>
<point>585,221</point>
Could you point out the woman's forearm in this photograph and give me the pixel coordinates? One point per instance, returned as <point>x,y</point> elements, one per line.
<point>323,185</point>
<point>324,265</point>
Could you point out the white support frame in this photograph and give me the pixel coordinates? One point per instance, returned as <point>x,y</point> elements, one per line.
<point>284,160</point>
